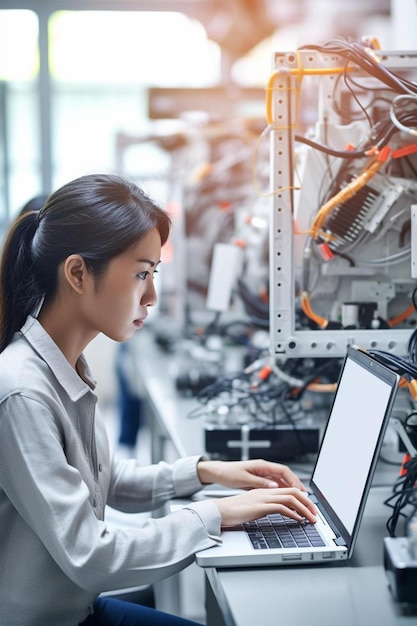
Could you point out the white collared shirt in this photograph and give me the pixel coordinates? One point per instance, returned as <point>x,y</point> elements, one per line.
<point>57,553</point>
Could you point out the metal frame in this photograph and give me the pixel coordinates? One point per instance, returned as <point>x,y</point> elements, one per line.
<point>286,340</point>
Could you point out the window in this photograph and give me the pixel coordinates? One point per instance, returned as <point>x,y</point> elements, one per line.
<point>101,64</point>
<point>19,114</point>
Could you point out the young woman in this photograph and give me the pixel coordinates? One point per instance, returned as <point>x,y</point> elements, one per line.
<point>84,265</point>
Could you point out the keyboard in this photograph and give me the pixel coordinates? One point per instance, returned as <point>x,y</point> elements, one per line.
<point>279,531</point>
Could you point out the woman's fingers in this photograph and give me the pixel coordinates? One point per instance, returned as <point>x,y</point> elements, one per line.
<point>296,507</point>
<point>248,506</point>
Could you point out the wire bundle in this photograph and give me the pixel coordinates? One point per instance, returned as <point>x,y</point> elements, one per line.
<point>255,402</point>
<point>403,501</point>
<point>356,54</point>
<point>237,400</point>
<point>405,366</point>
<point>265,395</point>
<point>338,227</point>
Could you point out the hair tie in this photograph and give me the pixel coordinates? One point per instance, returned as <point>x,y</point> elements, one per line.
<point>40,215</point>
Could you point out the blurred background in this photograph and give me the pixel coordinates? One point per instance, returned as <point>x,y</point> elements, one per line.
<point>157,90</point>
<point>172,94</point>
<point>78,75</point>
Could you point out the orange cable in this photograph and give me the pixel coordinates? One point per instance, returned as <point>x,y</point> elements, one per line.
<point>299,71</point>
<point>402,316</point>
<point>348,192</point>
<point>305,305</point>
<point>322,387</point>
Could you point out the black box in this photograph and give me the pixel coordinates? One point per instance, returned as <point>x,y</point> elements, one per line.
<point>401,570</point>
<point>278,443</point>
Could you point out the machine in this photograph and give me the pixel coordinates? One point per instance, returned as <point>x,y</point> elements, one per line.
<point>342,118</point>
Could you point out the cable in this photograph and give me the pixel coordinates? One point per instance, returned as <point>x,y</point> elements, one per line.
<point>394,117</point>
<point>347,192</point>
<point>404,495</point>
<point>257,309</point>
<point>399,364</point>
<point>394,321</point>
<point>321,322</point>
<point>368,60</point>
<point>398,257</point>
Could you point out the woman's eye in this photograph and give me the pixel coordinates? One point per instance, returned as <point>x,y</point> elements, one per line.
<point>143,275</point>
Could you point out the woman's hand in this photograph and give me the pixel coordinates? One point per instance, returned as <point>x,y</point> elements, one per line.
<point>271,488</point>
<point>254,474</point>
<point>248,506</point>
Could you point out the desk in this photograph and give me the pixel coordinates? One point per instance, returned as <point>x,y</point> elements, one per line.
<point>355,593</point>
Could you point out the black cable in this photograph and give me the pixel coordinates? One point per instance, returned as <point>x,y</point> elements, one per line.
<point>384,131</point>
<point>260,401</point>
<point>343,154</point>
<point>354,52</point>
<point>402,365</point>
<point>334,365</point>
<point>301,445</point>
<point>403,498</point>
<point>257,309</point>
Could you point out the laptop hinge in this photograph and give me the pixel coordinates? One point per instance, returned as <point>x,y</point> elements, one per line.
<point>339,541</point>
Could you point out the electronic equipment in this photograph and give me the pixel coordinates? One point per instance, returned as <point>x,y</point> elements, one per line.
<point>196,378</point>
<point>262,411</point>
<point>401,569</point>
<point>279,443</point>
<point>344,195</point>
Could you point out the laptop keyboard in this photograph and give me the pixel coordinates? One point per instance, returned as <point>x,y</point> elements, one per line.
<point>279,531</point>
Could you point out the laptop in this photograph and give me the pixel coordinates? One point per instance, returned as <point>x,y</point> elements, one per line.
<point>340,481</point>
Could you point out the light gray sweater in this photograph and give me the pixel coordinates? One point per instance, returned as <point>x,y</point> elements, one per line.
<point>57,553</point>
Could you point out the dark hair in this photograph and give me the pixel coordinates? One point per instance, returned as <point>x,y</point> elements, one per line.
<point>97,216</point>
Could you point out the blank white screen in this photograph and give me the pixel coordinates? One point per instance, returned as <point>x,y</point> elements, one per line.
<point>350,439</point>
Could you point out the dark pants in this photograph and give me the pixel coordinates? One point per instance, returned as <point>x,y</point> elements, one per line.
<point>130,405</point>
<point>114,612</point>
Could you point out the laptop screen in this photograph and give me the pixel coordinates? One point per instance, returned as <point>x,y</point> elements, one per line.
<point>353,433</point>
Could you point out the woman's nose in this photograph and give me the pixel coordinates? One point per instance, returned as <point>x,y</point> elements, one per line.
<point>149,298</point>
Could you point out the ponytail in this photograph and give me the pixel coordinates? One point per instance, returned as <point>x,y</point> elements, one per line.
<point>19,295</point>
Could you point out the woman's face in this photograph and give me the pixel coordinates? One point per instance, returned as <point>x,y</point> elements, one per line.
<point>116,304</point>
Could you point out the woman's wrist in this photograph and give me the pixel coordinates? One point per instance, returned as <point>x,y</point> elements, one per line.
<point>208,471</point>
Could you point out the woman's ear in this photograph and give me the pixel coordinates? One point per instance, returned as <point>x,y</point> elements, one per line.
<point>75,272</point>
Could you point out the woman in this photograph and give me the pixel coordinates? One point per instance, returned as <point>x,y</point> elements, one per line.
<point>84,265</point>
